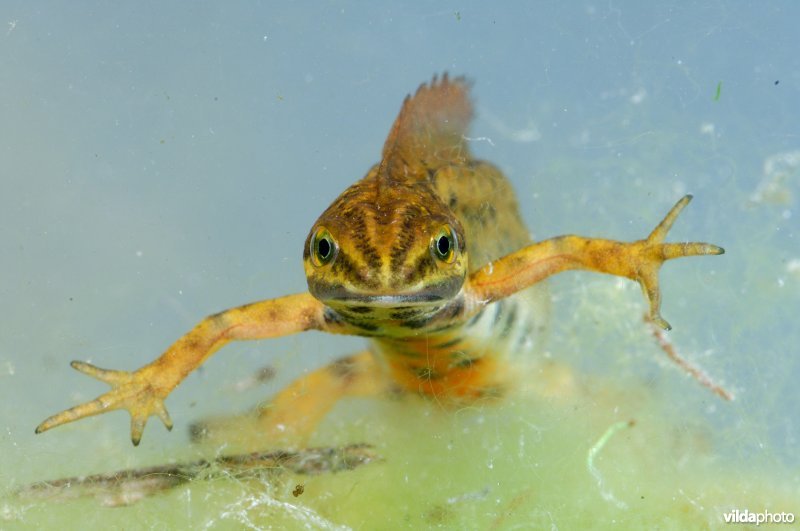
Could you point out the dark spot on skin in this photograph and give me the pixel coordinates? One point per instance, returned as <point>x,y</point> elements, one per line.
<point>370,253</point>
<point>360,309</point>
<point>416,324</point>
<point>298,490</point>
<point>475,318</point>
<point>344,368</point>
<point>451,343</point>
<point>402,245</point>
<point>498,313</point>
<point>510,320</point>
<point>467,363</point>
<point>353,317</point>
<point>364,325</point>
<point>217,317</point>
<point>343,265</point>
<point>426,373</point>
<point>453,202</point>
<point>422,268</point>
<point>395,392</point>
<point>309,318</point>
<point>455,309</point>
<point>403,314</point>
<point>442,328</point>
<point>191,344</point>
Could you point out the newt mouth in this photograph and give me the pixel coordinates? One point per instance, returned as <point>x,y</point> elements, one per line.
<point>386,301</point>
<point>342,295</point>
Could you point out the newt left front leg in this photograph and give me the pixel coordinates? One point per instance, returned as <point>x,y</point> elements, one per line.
<point>639,261</point>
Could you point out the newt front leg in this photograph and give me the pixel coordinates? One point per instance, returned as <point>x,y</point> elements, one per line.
<point>639,261</point>
<point>143,391</point>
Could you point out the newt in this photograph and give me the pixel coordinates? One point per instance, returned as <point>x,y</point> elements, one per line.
<point>428,257</point>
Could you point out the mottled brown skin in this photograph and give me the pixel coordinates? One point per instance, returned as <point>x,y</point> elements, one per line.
<point>413,256</point>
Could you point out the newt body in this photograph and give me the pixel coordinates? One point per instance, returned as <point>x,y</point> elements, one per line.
<point>429,258</point>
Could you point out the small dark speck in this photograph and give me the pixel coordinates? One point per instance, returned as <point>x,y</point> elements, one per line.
<point>216,98</point>
<point>162,141</point>
<point>265,374</point>
<point>71,299</point>
<point>298,490</point>
<point>777,81</point>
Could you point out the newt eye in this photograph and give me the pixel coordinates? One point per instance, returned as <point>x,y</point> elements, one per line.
<point>444,245</point>
<point>323,247</point>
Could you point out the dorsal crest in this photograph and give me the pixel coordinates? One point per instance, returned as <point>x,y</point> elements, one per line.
<point>429,131</point>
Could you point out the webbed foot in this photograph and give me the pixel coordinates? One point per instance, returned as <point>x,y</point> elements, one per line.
<point>135,391</point>
<point>651,253</point>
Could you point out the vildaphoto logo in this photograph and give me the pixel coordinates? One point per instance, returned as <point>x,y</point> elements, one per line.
<point>764,517</point>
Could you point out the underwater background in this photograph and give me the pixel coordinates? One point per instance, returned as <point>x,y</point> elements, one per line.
<point>162,161</point>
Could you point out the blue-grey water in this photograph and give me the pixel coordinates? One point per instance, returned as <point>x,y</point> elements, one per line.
<point>161,161</point>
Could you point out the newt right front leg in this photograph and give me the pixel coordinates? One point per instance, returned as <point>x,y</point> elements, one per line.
<point>143,391</point>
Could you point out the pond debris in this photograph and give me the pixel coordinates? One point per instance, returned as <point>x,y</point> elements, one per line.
<point>474,496</point>
<point>529,133</point>
<point>126,487</point>
<point>441,513</point>
<point>594,450</point>
<point>779,170</point>
<point>695,372</point>
<point>518,501</point>
<point>793,267</point>
<point>247,512</point>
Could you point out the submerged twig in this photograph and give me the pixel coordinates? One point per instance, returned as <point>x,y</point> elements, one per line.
<point>125,487</point>
<point>695,372</point>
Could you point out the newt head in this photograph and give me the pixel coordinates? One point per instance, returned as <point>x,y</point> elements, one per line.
<point>386,246</point>
<point>390,240</point>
